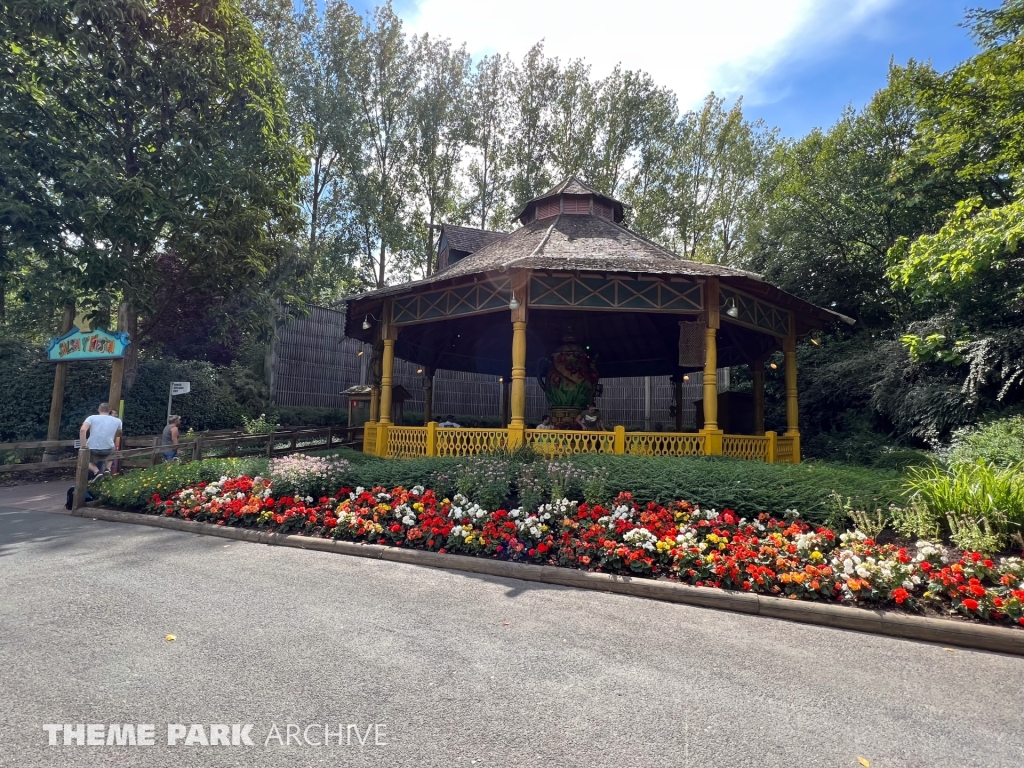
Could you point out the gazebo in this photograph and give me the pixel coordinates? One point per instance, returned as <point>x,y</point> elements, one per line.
<point>571,296</point>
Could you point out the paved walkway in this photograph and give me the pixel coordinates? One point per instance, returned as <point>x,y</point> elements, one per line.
<point>460,670</point>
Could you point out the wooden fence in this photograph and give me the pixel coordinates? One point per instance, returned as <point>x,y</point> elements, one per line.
<point>313,363</point>
<point>226,442</point>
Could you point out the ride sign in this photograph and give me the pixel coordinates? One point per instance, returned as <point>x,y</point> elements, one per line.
<point>87,345</point>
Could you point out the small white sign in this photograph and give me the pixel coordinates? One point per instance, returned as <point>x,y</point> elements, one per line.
<point>181,387</point>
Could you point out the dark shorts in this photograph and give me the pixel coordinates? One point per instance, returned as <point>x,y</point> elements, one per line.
<point>100,454</point>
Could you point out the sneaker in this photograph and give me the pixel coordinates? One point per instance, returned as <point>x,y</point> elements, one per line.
<point>107,474</point>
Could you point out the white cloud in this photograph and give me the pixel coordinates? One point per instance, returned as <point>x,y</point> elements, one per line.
<point>691,46</point>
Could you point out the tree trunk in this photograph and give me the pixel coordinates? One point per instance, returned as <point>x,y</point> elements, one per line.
<point>131,354</point>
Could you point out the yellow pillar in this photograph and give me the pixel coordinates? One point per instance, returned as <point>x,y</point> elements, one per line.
<point>431,438</point>
<point>757,372</point>
<point>517,397</point>
<point>792,412</point>
<point>386,378</point>
<point>770,453</point>
<point>620,439</point>
<point>517,424</point>
<point>792,409</point>
<point>712,434</point>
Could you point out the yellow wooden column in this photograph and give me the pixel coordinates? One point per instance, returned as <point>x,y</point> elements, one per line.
<point>389,334</point>
<point>712,434</point>
<point>757,373</point>
<point>517,398</point>
<point>792,404</point>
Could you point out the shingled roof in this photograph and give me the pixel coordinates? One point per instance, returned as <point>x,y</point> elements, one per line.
<point>570,242</point>
<point>586,242</point>
<point>469,239</point>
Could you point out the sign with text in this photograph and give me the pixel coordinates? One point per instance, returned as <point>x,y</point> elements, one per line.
<point>87,345</point>
<point>181,387</point>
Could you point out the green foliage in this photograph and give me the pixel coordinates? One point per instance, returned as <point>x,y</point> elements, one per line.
<point>1000,442</point>
<point>219,396</point>
<point>972,495</point>
<point>185,150</point>
<point>744,486</point>
<point>916,520</point>
<point>259,425</point>
<point>133,490</point>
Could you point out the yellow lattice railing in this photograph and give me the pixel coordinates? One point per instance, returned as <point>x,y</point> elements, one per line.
<point>750,447</point>
<point>553,443</point>
<point>407,442</point>
<point>664,444</point>
<point>464,441</point>
<point>784,450</point>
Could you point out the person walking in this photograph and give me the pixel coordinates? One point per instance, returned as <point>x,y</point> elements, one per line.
<point>100,433</point>
<point>170,437</point>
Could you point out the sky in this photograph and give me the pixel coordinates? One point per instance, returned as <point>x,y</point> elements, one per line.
<point>795,63</point>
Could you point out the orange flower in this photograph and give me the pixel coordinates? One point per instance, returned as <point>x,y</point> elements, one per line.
<point>853,584</point>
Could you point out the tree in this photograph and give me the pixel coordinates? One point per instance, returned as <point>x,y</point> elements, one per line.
<point>533,91</point>
<point>150,125</point>
<point>966,278</point>
<point>490,113</point>
<point>441,129</point>
<point>383,79</point>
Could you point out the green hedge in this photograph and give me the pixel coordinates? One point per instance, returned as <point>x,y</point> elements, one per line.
<point>219,396</point>
<point>745,486</point>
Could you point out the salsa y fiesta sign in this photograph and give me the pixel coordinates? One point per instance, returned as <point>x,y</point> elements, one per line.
<point>87,345</point>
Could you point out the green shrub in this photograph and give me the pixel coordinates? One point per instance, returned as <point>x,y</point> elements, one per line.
<point>979,501</point>
<point>1000,442</point>
<point>745,486</point>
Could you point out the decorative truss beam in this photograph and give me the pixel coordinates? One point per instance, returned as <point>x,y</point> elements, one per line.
<point>615,292</point>
<point>457,301</point>
<point>753,313</point>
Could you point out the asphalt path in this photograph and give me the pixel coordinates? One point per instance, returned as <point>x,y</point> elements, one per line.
<point>438,668</point>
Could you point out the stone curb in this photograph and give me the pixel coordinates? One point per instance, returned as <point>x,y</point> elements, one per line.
<point>942,631</point>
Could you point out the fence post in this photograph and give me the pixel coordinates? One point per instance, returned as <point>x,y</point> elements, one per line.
<point>330,436</point>
<point>712,442</point>
<point>270,444</point>
<point>197,449</point>
<point>81,478</point>
<point>382,439</point>
<point>431,438</point>
<point>152,456</point>
<point>620,439</point>
<point>770,458</point>
<point>293,442</point>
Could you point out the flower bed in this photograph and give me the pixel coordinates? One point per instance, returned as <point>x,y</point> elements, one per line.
<point>764,554</point>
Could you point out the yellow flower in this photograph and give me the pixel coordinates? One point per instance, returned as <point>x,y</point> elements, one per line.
<point>816,555</point>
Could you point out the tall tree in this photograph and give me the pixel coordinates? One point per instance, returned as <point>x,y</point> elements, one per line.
<point>488,160</point>
<point>441,126</point>
<point>150,124</point>
<point>383,79</point>
<point>533,92</point>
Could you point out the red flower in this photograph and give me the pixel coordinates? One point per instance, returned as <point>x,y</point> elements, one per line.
<point>977,590</point>
<point>899,595</point>
<point>970,604</point>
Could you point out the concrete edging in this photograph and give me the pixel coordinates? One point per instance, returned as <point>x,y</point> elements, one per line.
<point>942,631</point>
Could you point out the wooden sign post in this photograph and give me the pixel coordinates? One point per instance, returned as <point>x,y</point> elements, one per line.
<point>60,376</point>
